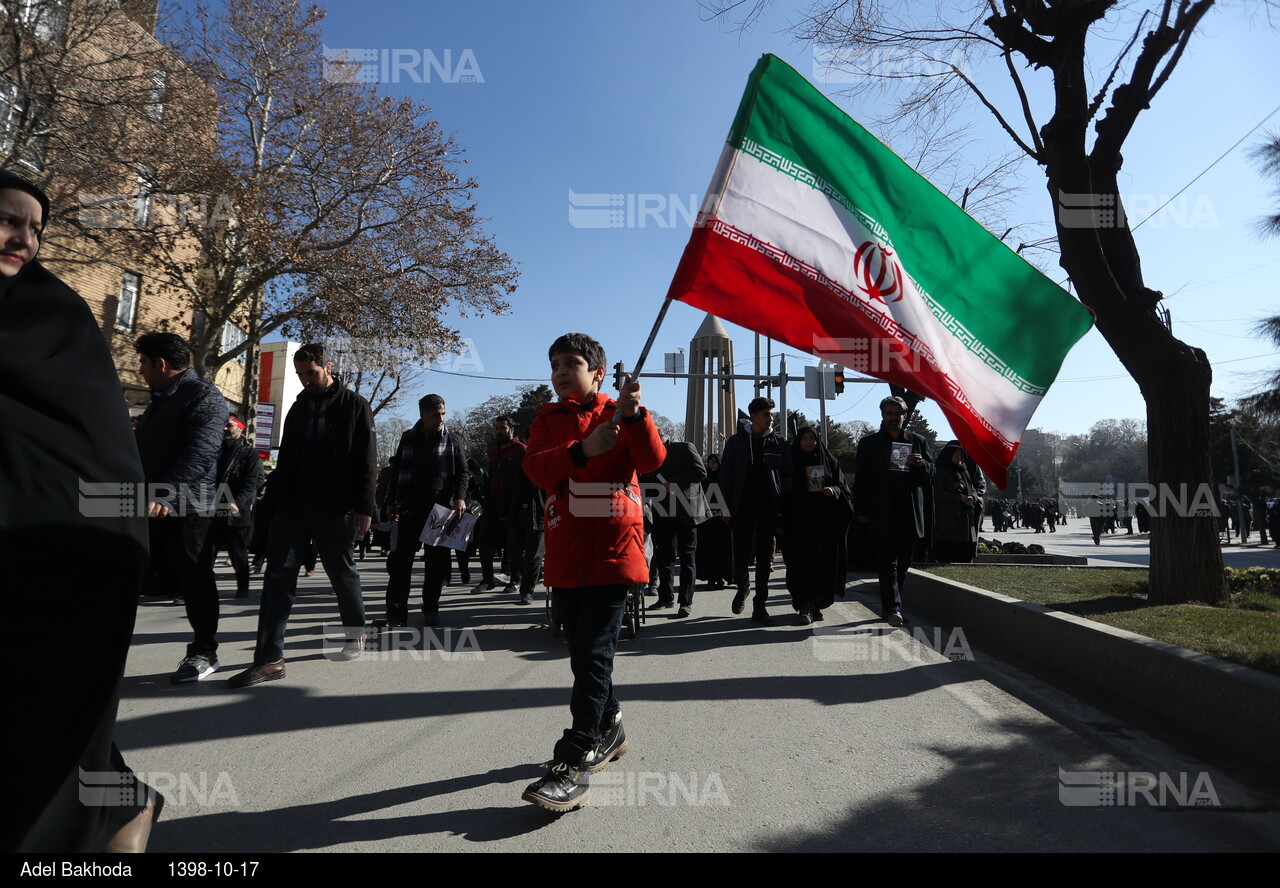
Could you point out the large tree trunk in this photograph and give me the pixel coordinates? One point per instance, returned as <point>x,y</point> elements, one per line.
<point>1186,560</point>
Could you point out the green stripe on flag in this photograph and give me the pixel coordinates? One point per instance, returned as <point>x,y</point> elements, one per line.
<point>1006,304</point>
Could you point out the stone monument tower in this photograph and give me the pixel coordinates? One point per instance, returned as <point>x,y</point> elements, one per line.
<point>711,413</point>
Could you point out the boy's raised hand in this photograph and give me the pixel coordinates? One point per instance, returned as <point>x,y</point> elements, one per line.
<point>629,397</point>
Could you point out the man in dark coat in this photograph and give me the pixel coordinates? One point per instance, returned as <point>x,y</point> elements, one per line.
<point>178,438</point>
<point>894,472</point>
<point>755,475</point>
<point>322,492</point>
<point>239,474</point>
<point>429,469</point>
<point>677,511</point>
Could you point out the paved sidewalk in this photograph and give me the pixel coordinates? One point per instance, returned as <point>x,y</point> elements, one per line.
<point>843,736</point>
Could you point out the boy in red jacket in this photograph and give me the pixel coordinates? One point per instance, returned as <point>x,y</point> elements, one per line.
<point>587,463</point>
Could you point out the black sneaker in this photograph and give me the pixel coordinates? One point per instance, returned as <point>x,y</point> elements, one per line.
<point>484,586</point>
<point>762,617</point>
<point>565,788</point>
<point>526,598</point>
<point>511,589</point>
<point>805,618</point>
<point>739,602</point>
<point>685,610</point>
<point>894,619</point>
<point>194,668</point>
<point>613,745</point>
<point>662,602</point>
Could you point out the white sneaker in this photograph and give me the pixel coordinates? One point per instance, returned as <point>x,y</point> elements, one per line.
<point>352,648</point>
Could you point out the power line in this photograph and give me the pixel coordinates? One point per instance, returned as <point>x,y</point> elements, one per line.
<point>1210,166</point>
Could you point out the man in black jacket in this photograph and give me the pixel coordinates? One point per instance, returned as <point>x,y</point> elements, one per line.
<point>755,474</point>
<point>322,490</point>
<point>178,439</point>
<point>894,475</point>
<point>429,469</point>
<point>239,474</point>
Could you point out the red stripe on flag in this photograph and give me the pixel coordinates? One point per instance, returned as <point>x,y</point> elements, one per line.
<point>740,284</point>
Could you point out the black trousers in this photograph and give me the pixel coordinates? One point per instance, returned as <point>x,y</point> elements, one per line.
<point>675,541</point>
<point>435,569</point>
<point>182,565</point>
<point>525,553</point>
<point>592,618</point>
<point>753,543</point>
<point>235,539</point>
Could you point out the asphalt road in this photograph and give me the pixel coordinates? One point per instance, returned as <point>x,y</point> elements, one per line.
<point>845,736</point>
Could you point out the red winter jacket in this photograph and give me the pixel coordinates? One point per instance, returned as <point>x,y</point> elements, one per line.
<point>594,520</point>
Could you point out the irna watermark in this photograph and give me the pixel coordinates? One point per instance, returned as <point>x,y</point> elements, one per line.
<point>1105,789</point>
<point>400,65</point>
<point>657,788</point>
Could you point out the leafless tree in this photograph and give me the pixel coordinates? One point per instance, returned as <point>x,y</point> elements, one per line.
<point>322,205</point>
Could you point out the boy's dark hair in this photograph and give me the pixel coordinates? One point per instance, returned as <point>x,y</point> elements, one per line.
<point>579,344</point>
<point>311,353</point>
<point>430,402</point>
<point>761,403</point>
<point>170,346</point>
<point>506,419</point>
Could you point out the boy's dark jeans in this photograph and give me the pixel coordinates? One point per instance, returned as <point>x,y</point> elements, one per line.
<point>592,618</point>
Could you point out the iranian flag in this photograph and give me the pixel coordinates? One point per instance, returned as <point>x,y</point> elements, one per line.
<point>816,234</point>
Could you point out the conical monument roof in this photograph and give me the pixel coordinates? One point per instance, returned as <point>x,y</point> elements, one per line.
<point>712,327</point>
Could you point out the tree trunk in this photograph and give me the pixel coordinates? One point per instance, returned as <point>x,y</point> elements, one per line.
<point>1186,558</point>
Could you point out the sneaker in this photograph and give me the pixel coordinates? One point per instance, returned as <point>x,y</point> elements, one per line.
<point>818,617</point>
<point>484,586</point>
<point>894,619</point>
<point>565,788</point>
<point>613,745</point>
<point>511,589</point>
<point>739,601</point>
<point>194,668</point>
<point>526,598</point>
<point>685,611</point>
<point>662,602</point>
<point>352,648</point>
<point>651,591</point>
<point>762,617</point>
<point>257,674</point>
<point>805,618</point>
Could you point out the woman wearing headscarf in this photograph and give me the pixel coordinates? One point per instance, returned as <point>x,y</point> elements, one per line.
<point>955,537</point>
<point>816,514</point>
<point>715,544</point>
<point>72,553</point>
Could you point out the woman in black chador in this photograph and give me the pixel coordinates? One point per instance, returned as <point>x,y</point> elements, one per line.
<point>816,517</point>
<point>715,545</point>
<point>73,551</point>
<point>955,537</point>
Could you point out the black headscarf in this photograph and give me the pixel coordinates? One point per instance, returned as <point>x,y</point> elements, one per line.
<point>72,553</point>
<point>12,180</point>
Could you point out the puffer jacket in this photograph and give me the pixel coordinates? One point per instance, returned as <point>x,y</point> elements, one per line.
<point>179,437</point>
<point>594,524</point>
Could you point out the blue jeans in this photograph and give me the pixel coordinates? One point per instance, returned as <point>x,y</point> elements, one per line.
<point>592,618</point>
<point>296,526</point>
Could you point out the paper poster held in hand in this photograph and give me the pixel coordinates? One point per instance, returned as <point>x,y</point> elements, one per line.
<point>445,528</point>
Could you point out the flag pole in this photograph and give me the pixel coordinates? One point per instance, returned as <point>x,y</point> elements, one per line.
<point>644,353</point>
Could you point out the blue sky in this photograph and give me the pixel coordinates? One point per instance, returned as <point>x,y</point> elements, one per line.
<point>636,98</point>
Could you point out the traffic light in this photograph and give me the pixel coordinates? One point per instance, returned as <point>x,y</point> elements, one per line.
<point>619,375</point>
<point>839,380</point>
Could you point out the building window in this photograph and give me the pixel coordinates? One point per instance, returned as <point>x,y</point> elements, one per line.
<point>143,202</point>
<point>47,18</point>
<point>155,104</point>
<point>127,307</point>
<point>232,336</point>
<point>10,115</point>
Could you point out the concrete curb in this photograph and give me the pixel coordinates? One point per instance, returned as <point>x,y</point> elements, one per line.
<point>1233,707</point>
